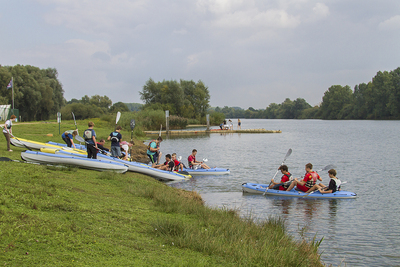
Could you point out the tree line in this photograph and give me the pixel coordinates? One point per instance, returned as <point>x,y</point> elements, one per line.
<point>378,99</point>
<point>39,95</point>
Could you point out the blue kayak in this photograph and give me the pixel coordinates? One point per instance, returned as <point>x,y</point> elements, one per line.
<point>255,188</point>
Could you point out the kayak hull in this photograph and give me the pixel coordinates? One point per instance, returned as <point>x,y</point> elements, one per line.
<point>212,171</point>
<point>254,188</point>
<point>161,175</point>
<point>28,144</point>
<point>77,161</point>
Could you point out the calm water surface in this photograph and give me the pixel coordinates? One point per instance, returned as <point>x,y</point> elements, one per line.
<point>357,232</point>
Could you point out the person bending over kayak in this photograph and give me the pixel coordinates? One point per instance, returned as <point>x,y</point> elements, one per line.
<point>153,151</point>
<point>286,179</point>
<point>334,184</point>
<point>193,162</point>
<point>309,180</point>
<point>178,164</point>
<point>101,148</point>
<point>68,137</point>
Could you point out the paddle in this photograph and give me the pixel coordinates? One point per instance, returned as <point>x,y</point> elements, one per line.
<point>117,119</point>
<point>132,124</point>
<point>160,130</point>
<point>76,126</point>
<point>17,139</point>
<point>81,139</point>
<point>288,153</point>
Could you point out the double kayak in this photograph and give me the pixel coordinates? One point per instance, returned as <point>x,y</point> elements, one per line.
<point>72,160</point>
<point>254,188</point>
<point>142,168</point>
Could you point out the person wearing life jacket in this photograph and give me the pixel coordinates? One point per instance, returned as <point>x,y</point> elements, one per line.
<point>286,179</point>
<point>334,184</point>
<point>153,151</point>
<point>115,138</point>
<point>192,161</point>
<point>68,137</point>
<point>7,131</point>
<point>90,137</point>
<point>309,180</point>
<point>168,165</point>
<point>177,164</point>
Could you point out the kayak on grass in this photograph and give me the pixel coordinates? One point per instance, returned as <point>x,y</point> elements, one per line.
<point>254,188</point>
<point>73,160</point>
<point>138,167</point>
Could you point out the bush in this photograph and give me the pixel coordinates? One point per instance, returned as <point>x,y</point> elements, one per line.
<point>176,122</point>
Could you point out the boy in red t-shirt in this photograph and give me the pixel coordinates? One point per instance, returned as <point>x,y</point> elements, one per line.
<point>284,184</point>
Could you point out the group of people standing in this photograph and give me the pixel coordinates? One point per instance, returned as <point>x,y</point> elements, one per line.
<point>171,162</point>
<point>229,126</point>
<point>309,182</point>
<point>119,149</point>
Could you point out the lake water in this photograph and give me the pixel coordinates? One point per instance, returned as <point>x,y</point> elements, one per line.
<point>357,232</point>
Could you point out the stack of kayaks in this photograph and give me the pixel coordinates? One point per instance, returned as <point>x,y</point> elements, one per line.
<point>78,161</point>
<point>132,166</point>
<point>255,188</point>
<point>78,146</point>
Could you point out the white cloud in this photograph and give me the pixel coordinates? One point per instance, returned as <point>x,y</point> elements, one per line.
<point>391,24</point>
<point>321,10</point>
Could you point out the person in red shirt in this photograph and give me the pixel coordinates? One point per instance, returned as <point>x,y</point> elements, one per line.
<point>178,164</point>
<point>193,162</point>
<point>285,180</point>
<point>309,180</point>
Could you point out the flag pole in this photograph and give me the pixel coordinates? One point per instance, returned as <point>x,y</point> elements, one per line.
<point>12,87</point>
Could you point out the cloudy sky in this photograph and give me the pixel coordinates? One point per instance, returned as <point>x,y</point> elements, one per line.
<point>249,53</point>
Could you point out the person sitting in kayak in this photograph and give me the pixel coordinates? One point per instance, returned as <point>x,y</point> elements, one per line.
<point>68,137</point>
<point>193,162</point>
<point>334,184</point>
<point>178,164</point>
<point>101,148</point>
<point>286,179</point>
<point>309,180</point>
<point>168,165</point>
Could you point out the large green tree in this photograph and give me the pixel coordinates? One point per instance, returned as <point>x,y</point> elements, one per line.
<point>334,100</point>
<point>37,92</point>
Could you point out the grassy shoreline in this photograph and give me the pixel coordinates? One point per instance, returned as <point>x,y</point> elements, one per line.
<point>52,216</point>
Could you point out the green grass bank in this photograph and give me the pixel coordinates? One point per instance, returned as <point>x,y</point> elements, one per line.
<point>61,216</point>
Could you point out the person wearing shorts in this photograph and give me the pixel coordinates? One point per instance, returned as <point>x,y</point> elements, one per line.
<point>309,180</point>
<point>153,151</point>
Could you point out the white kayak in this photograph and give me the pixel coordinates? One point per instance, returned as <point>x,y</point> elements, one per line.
<point>211,171</point>
<point>134,167</point>
<point>73,160</point>
<point>28,144</point>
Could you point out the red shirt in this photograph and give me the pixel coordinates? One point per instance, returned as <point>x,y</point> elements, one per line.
<point>191,159</point>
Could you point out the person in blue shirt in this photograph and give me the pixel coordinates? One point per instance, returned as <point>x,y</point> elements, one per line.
<point>115,138</point>
<point>68,138</point>
<point>90,138</point>
<point>153,151</point>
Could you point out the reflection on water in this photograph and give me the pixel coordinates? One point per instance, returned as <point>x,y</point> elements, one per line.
<point>356,232</point>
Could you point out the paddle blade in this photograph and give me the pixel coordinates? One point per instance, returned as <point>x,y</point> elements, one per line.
<point>288,153</point>
<point>327,167</point>
<point>118,117</point>
<point>79,138</point>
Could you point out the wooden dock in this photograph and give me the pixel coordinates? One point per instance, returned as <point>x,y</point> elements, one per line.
<point>194,132</point>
